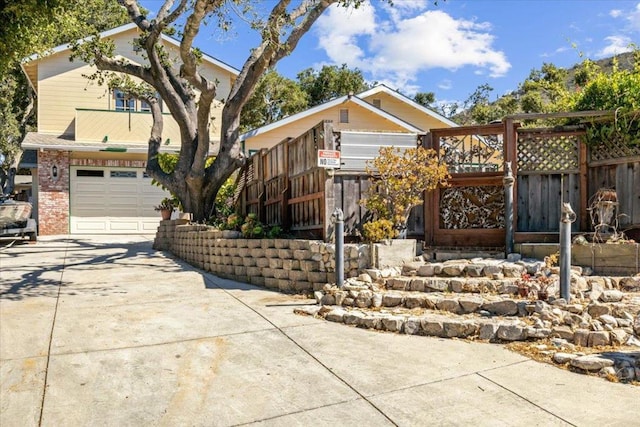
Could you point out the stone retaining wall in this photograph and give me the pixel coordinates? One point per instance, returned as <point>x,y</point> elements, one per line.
<point>283,264</point>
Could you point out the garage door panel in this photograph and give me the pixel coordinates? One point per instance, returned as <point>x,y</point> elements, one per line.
<point>90,226</point>
<point>90,187</point>
<point>120,201</point>
<point>88,211</point>
<point>124,225</point>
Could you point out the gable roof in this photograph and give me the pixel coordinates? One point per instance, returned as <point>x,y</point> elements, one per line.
<point>382,88</point>
<point>118,30</point>
<point>327,105</point>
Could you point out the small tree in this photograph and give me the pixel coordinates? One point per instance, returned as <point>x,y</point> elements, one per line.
<point>399,179</point>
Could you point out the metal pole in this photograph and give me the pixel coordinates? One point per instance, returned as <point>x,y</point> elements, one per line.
<point>567,216</point>
<point>338,217</point>
<point>508,181</point>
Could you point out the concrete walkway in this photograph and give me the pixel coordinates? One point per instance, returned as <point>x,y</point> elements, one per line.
<point>104,331</point>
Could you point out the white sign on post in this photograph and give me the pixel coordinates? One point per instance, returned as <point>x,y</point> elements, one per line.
<point>329,159</point>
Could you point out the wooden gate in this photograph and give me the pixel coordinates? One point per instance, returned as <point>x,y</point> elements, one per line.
<point>470,210</point>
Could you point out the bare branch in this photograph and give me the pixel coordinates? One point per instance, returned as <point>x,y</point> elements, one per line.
<point>189,68</point>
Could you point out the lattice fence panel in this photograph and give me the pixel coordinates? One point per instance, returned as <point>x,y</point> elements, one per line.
<point>472,207</point>
<point>543,152</point>
<point>614,149</point>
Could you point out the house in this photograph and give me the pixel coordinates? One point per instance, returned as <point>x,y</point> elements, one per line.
<point>377,110</point>
<point>91,143</point>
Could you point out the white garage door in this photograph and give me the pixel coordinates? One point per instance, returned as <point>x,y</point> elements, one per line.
<point>113,201</point>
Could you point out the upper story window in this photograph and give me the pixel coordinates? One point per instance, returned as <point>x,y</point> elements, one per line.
<point>123,101</point>
<point>344,115</point>
<point>144,105</point>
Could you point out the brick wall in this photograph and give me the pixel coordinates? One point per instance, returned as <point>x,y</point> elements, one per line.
<point>53,194</point>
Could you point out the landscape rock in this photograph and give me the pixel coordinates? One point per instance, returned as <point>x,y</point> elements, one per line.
<point>432,327</point>
<point>630,284</point>
<point>511,333</point>
<point>599,338</point>
<point>562,358</point>
<point>391,300</point>
<point>611,295</point>
<point>591,362</point>
<point>501,308</point>
<point>392,323</point>
<point>412,326</point>
<point>448,304</point>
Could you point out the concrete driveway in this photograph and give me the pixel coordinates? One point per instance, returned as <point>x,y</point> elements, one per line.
<point>105,331</point>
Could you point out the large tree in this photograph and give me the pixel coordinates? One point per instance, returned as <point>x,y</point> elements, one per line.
<point>189,95</point>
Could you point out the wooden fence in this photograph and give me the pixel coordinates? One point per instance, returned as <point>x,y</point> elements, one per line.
<point>285,187</point>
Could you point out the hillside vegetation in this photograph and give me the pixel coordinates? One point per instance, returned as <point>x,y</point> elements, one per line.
<point>607,84</point>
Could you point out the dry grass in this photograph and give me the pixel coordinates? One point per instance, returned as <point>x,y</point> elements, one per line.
<point>543,351</point>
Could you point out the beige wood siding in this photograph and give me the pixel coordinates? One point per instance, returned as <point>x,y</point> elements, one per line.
<point>406,112</point>
<point>359,119</point>
<point>62,88</point>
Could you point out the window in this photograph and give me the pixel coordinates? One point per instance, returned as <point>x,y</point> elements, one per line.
<point>123,174</point>
<point>123,101</point>
<point>377,103</point>
<point>344,115</point>
<point>144,105</point>
<point>90,172</point>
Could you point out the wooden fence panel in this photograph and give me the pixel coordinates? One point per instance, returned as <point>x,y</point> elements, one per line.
<point>625,179</point>
<point>306,184</point>
<point>253,192</point>
<point>549,167</point>
<point>539,200</point>
<point>275,184</point>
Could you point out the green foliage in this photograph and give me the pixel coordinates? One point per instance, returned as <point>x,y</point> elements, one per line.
<point>33,26</point>
<point>398,181</point>
<point>252,228</point>
<point>275,97</point>
<point>425,98</point>
<point>331,82</point>
<point>378,230</point>
<point>618,91</point>
<point>168,203</point>
<point>224,203</point>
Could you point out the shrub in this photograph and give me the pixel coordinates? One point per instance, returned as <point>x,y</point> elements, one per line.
<point>399,180</point>
<point>381,229</point>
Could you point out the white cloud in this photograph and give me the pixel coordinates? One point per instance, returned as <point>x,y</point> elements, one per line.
<point>616,45</point>
<point>398,49</point>
<point>339,29</point>
<point>615,13</point>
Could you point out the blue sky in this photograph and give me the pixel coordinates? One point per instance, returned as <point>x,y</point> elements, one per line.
<point>450,48</point>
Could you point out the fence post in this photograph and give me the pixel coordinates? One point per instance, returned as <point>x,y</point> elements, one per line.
<point>508,181</point>
<point>338,218</point>
<point>567,216</point>
<point>329,199</point>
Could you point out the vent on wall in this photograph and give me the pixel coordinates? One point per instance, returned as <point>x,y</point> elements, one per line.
<point>377,103</point>
<point>344,115</point>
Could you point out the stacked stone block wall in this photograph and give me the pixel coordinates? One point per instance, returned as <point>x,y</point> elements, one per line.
<point>53,194</point>
<point>287,265</point>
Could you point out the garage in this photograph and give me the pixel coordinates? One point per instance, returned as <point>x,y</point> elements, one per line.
<point>112,200</point>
